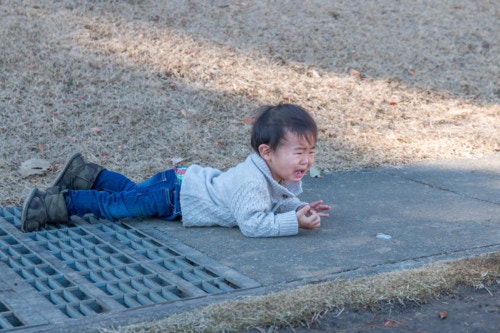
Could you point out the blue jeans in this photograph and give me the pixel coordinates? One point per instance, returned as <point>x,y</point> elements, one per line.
<point>114,196</point>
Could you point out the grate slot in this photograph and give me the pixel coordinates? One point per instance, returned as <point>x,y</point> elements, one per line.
<point>188,276</point>
<point>17,251</point>
<point>209,288</point>
<point>35,272</point>
<point>9,320</point>
<point>175,264</point>
<point>95,277</point>
<point>67,256</point>
<point>53,283</point>
<point>125,233</point>
<point>156,297</point>
<point>105,228</point>
<point>90,308</point>
<point>74,295</point>
<point>172,294</point>
<point>126,287</point>
<point>59,245</point>
<point>161,296</point>
<point>83,265</point>
<point>38,236</point>
<point>66,296</point>
<point>11,215</point>
<point>155,281</point>
<point>104,250</point>
<point>138,285</point>
<point>90,240</point>
<point>81,309</point>
<point>55,298</point>
<point>142,244</point>
<point>29,260</point>
<point>109,288</point>
<point>204,273</point>
<point>155,254</point>
<point>14,263</point>
<point>8,241</point>
<point>113,274</point>
<point>226,285</point>
<point>137,270</point>
<point>77,231</point>
<point>44,270</point>
<point>128,301</point>
<point>81,253</point>
<point>119,260</point>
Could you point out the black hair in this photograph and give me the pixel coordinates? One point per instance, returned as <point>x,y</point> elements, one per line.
<point>273,122</point>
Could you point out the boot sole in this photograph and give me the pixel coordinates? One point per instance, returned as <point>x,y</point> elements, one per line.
<point>25,210</point>
<point>70,160</point>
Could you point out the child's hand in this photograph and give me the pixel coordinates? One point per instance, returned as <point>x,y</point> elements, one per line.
<point>319,208</point>
<point>308,218</point>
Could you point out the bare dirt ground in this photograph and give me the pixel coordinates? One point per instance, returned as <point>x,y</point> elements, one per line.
<point>135,85</point>
<point>467,310</point>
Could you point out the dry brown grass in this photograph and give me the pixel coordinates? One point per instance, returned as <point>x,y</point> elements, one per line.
<point>133,84</point>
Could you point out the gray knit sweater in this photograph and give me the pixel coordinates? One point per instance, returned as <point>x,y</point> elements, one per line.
<point>246,196</point>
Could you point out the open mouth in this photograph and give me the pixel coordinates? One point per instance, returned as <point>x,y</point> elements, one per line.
<point>300,173</point>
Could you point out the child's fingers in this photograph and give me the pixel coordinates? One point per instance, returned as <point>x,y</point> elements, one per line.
<point>315,222</point>
<point>308,218</point>
<point>303,211</point>
<point>315,204</point>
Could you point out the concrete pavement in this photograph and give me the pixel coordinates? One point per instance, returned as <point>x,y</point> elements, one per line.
<point>430,211</point>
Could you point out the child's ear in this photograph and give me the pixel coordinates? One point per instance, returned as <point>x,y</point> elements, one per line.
<point>264,151</point>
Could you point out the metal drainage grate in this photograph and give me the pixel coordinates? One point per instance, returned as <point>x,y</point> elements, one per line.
<point>90,267</point>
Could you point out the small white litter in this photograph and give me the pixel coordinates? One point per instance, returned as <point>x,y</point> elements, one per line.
<point>383,236</point>
<point>34,166</point>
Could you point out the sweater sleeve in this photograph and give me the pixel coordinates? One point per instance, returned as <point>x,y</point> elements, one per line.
<point>252,208</point>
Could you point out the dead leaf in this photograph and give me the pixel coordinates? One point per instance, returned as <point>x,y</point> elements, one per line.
<point>41,147</point>
<point>249,120</point>
<point>354,73</point>
<point>443,314</point>
<point>33,166</point>
<point>388,323</point>
<point>96,130</point>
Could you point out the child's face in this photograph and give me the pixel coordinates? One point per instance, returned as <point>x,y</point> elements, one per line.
<point>291,161</point>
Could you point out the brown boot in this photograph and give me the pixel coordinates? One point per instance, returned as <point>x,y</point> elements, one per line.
<point>77,174</point>
<point>41,208</point>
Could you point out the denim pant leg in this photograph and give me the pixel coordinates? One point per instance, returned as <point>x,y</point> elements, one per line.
<point>111,181</point>
<point>156,197</point>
